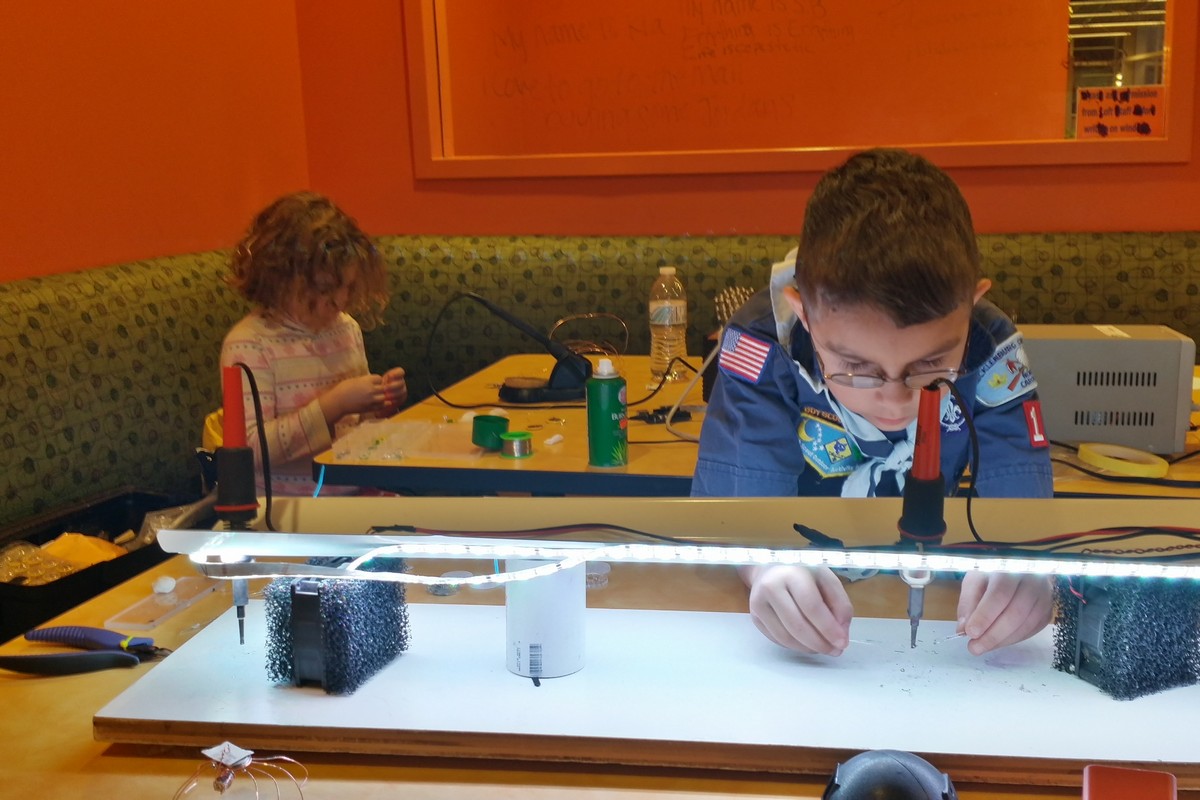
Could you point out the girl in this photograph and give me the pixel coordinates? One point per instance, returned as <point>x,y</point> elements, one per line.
<point>305,266</point>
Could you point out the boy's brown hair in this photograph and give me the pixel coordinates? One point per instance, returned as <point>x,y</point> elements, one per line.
<point>890,230</point>
<point>303,241</point>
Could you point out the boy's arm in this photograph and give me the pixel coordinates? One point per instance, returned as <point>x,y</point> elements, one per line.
<point>1014,453</point>
<point>748,443</point>
<point>1011,463</point>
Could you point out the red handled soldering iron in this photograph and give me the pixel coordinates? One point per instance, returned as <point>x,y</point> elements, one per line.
<point>237,497</point>
<point>922,518</point>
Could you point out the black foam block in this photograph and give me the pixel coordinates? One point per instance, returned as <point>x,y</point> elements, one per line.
<point>333,632</point>
<point>1129,636</point>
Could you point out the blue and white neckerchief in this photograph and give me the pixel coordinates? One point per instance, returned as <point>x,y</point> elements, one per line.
<point>879,454</point>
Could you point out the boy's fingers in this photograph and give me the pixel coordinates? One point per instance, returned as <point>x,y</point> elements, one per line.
<point>1027,607</point>
<point>820,613</point>
<point>786,626</point>
<point>973,586</point>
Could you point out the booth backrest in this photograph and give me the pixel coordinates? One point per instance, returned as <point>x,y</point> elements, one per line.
<point>106,374</point>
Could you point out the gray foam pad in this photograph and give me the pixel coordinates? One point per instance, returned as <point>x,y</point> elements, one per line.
<point>1129,636</point>
<point>364,625</point>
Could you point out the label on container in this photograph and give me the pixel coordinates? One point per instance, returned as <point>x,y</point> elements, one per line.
<point>668,312</point>
<point>607,422</point>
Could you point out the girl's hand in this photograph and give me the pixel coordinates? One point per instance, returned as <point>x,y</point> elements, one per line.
<point>395,389</point>
<point>353,396</point>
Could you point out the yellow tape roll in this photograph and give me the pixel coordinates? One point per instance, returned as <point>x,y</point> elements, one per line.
<point>1123,460</point>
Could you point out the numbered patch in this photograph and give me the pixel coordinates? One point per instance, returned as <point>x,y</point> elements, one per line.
<point>1035,423</point>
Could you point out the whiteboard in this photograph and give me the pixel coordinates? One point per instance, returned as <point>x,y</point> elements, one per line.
<point>697,689</point>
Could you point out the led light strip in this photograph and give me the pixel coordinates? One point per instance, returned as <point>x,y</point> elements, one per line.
<point>219,558</point>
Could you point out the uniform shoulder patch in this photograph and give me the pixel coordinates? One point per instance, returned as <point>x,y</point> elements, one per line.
<point>742,355</point>
<point>827,447</point>
<point>1005,375</point>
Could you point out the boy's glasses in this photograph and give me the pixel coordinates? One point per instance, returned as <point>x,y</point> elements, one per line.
<point>913,380</point>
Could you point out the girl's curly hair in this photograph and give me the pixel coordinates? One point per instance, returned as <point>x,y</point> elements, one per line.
<point>303,242</point>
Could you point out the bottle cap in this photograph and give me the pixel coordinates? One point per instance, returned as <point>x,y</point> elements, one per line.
<point>666,270</point>
<point>604,368</point>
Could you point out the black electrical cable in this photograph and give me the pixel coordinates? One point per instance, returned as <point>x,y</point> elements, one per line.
<point>428,363</point>
<point>262,443</point>
<point>1167,482</point>
<point>974,460</point>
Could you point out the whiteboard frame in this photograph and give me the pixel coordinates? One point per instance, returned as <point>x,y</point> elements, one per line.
<point>433,133</point>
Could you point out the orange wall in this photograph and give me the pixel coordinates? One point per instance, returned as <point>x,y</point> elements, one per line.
<point>161,126</point>
<point>354,61</point>
<point>142,128</point>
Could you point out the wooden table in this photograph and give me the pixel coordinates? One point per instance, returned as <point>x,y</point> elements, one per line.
<point>46,728</point>
<point>660,464</point>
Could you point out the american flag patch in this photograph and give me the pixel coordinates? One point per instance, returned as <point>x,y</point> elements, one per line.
<point>743,355</point>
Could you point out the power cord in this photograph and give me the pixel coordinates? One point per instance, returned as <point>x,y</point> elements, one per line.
<point>262,442</point>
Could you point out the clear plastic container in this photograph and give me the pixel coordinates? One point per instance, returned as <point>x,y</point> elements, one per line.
<point>25,564</point>
<point>668,326</point>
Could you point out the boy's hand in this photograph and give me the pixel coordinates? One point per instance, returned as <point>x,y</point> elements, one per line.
<point>1000,609</point>
<point>395,389</point>
<point>800,608</point>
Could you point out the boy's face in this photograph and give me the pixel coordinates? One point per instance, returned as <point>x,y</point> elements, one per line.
<point>863,340</point>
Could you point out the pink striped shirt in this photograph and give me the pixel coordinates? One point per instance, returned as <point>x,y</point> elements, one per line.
<point>292,366</point>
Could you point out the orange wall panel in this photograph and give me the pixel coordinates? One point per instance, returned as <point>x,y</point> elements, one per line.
<point>366,165</point>
<point>159,126</point>
<point>142,128</point>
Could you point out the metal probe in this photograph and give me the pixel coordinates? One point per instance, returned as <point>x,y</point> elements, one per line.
<point>917,580</point>
<point>916,607</point>
<point>241,598</point>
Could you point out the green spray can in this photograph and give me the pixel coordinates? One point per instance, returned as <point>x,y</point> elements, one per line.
<point>607,418</point>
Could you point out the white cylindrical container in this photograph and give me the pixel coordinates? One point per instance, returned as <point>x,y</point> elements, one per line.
<point>544,621</point>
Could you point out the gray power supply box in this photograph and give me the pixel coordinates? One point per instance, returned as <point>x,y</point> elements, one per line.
<point>1114,384</point>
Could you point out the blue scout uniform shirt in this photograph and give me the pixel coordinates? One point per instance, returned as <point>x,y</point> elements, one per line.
<point>772,429</point>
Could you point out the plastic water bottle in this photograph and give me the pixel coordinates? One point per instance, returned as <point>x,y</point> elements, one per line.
<point>668,325</point>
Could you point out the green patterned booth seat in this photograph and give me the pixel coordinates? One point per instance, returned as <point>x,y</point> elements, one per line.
<point>106,374</point>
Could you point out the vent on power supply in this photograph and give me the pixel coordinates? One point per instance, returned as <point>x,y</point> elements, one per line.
<point>1115,419</point>
<point>1111,378</point>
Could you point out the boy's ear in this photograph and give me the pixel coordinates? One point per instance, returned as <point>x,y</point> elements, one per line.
<point>793,298</point>
<point>981,289</point>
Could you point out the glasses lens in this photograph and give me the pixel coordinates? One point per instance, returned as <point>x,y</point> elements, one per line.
<point>919,380</point>
<point>856,381</point>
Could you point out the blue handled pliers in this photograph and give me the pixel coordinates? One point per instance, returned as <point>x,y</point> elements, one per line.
<point>104,648</point>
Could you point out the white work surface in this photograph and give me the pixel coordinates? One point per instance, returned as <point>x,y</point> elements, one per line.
<point>666,687</point>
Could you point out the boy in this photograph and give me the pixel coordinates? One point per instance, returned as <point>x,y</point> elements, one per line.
<point>819,380</point>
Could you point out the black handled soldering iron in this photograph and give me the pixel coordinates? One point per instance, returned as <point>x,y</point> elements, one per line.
<point>237,498</point>
<point>922,517</point>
